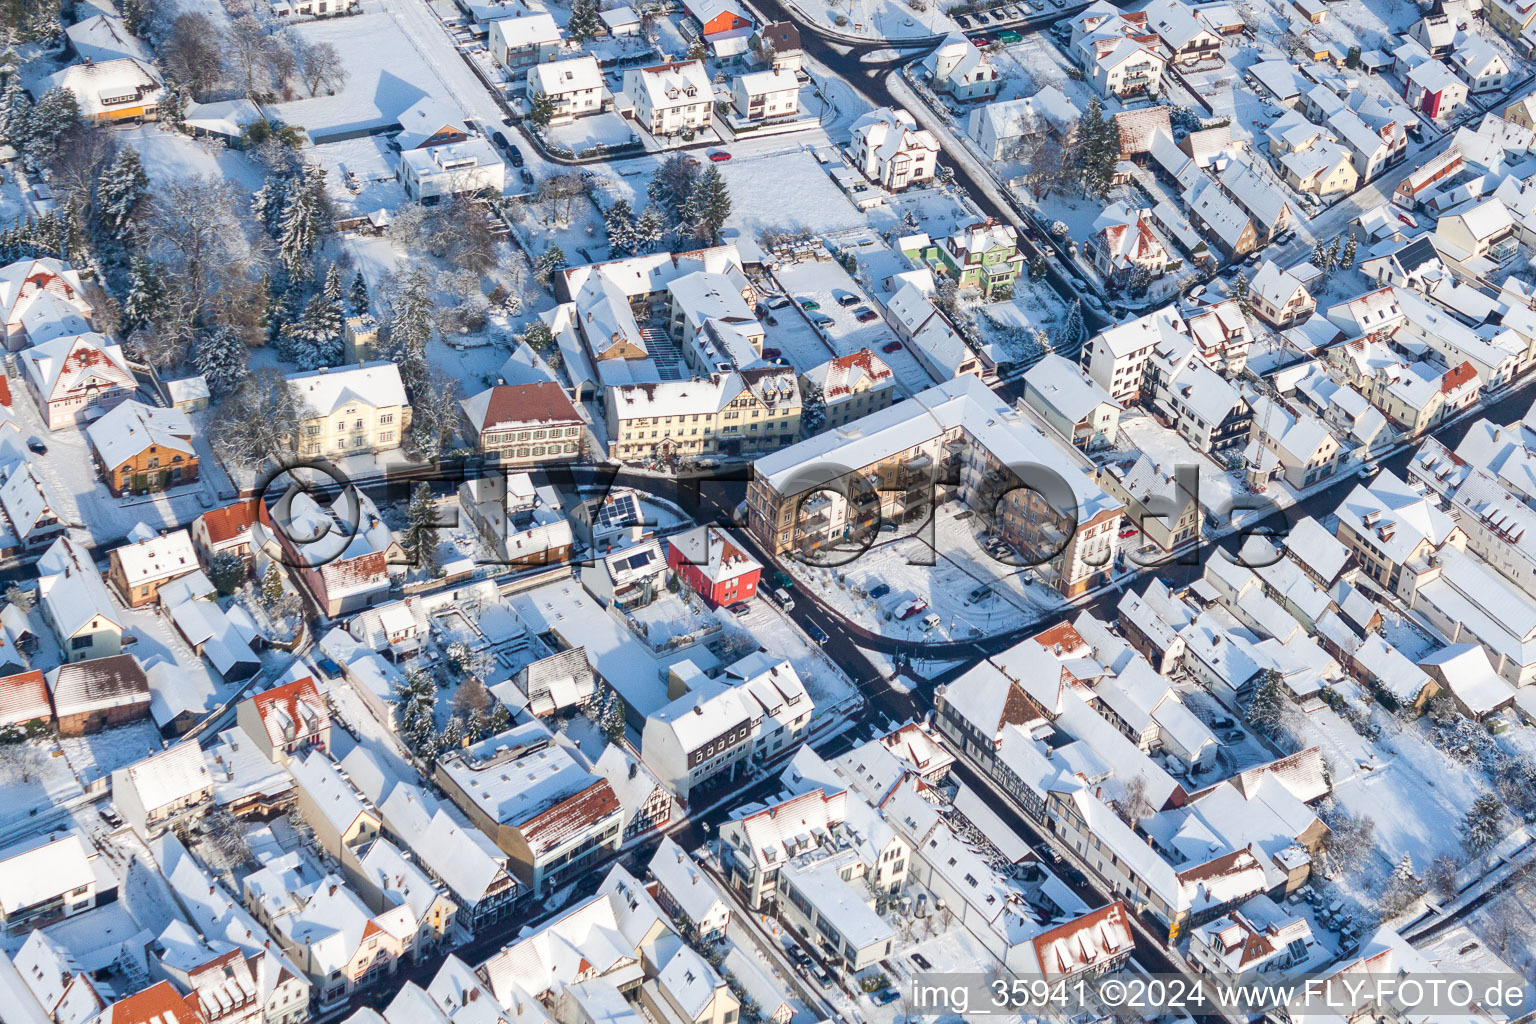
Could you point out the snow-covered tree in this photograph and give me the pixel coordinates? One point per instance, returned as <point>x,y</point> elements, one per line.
<point>268,201</point>
<point>434,412</point>
<point>226,571</point>
<point>670,186</point>
<point>305,219</point>
<point>708,206</point>
<point>314,339</point>
<point>612,717</point>
<point>1347,256</point>
<point>258,423</point>
<point>416,703</point>
<point>585,21</point>
<point>410,324</point>
<point>15,114</point>
<point>539,337</point>
<point>649,229</point>
<point>272,585</point>
<point>52,117</point>
<point>1349,839</point>
<point>332,288</point>
<point>1240,292</point>
<point>551,260</point>
<point>421,531</point>
<point>1097,150</point>
<point>1071,330</point>
<point>146,292</point>
<point>499,720</point>
<point>620,222</point>
<point>223,358</point>
<point>122,186</point>
<point>1483,825</point>
<point>1403,888</point>
<point>1266,710</point>
<point>359,295</point>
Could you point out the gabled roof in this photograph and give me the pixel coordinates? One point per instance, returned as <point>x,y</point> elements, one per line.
<point>104,38</point>
<point>376,384</point>
<point>69,364</point>
<point>24,698</point>
<point>98,684</point>
<point>156,559</point>
<point>425,118</point>
<point>174,774</point>
<point>713,552</point>
<point>511,405</point>
<point>292,710</point>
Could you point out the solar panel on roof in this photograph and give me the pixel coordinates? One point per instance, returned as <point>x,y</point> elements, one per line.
<point>620,511</point>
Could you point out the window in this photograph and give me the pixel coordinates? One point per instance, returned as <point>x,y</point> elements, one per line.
<point>80,642</point>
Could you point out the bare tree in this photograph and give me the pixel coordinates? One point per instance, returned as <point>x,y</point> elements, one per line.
<point>249,50</point>
<point>194,229</point>
<point>320,64</point>
<point>83,153</point>
<point>461,232</point>
<point>259,423</point>
<point>1133,804</point>
<point>191,54</point>
<point>1441,877</point>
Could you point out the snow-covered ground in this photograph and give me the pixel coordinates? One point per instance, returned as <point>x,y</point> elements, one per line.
<point>826,682</point>
<point>944,567</point>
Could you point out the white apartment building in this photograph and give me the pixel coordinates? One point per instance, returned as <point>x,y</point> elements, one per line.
<point>766,95</point>
<point>352,409</point>
<point>670,99</point>
<point>889,148</point>
<point>469,166</point>
<point>574,87</point>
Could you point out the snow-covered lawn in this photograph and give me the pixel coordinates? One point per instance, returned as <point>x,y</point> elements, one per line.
<point>669,617</point>
<point>784,187</point>
<point>876,19</point>
<point>36,775</point>
<point>372,162</point>
<point>960,567</point>
<point>1008,326</point>
<point>168,154</point>
<point>599,129</point>
<point>91,757</point>
<point>386,73</point>
<point>824,680</point>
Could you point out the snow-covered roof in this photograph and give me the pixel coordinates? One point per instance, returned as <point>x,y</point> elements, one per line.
<point>159,558</point>
<point>425,118</point>
<point>711,550</point>
<point>572,75</point>
<point>684,881</point>
<point>101,86</point>
<point>33,872</point>
<point>177,774</point>
<point>222,117</point>
<point>376,384</point>
<point>104,38</point>
<point>508,406</point>
<point>535,28</point>
<point>676,84</point>
<point>75,362</point>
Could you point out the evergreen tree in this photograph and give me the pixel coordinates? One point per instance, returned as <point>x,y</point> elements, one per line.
<point>499,721</point>
<point>649,230</point>
<point>226,571</point>
<point>302,223</point>
<point>123,185</point>
<point>708,206</point>
<point>620,221</point>
<point>146,292</point>
<point>55,113</point>
<point>539,337</point>
<point>416,704</point>
<point>1483,826</point>
<point>1347,257</point>
<point>272,585</point>
<point>1240,292</point>
<point>332,289</point>
<point>359,296</point>
<point>15,114</point>
<point>1098,149</point>
<point>613,718</point>
<point>552,260</point>
<point>314,339</point>
<point>670,187</point>
<point>10,61</point>
<point>267,204</point>
<point>223,358</point>
<point>410,325</point>
<point>420,539</point>
<point>585,21</point>
<point>1403,888</point>
<point>541,109</point>
<point>1071,330</point>
<point>1267,708</point>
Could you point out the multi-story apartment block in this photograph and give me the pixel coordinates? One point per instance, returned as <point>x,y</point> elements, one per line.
<point>517,42</point>
<point>891,150</point>
<point>735,413</point>
<point>670,99</point>
<point>956,440</point>
<point>849,387</point>
<point>351,410</point>
<point>766,95</point>
<point>573,87</point>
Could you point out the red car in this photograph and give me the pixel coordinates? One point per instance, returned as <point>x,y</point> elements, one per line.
<point>719,156</point>
<point>771,353</point>
<point>893,346</point>
<point>1129,532</point>
<point>864,315</point>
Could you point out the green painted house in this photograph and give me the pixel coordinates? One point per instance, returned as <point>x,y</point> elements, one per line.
<point>983,255</point>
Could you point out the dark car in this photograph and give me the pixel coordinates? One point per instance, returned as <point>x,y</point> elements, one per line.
<point>922,961</point>
<point>526,175</point>
<point>884,996</point>
<point>891,346</point>
<point>515,155</point>
<point>981,18</point>
<point>879,590</point>
<point>739,608</point>
<point>771,353</point>
<point>864,315</point>
<point>816,633</point>
<point>964,21</point>
<point>781,579</point>
<point>847,299</point>
<point>36,446</point>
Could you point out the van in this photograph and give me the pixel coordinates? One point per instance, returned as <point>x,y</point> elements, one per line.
<point>912,607</point>
<point>781,597</point>
<point>930,621</point>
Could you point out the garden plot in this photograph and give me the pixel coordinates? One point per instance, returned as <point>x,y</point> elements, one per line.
<point>937,212</point>
<point>828,685</point>
<point>372,163</point>
<point>1012,598</point>
<point>386,73</point>
<point>669,618</point>
<point>784,188</point>
<point>1035,62</point>
<point>37,775</point>
<point>1008,327</point>
<point>167,154</point>
<point>607,129</point>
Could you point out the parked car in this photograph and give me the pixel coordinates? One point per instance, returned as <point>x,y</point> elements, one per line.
<point>515,155</point>
<point>779,302</point>
<point>981,40</point>
<point>922,961</point>
<point>771,353</point>
<point>782,579</point>
<point>878,591</point>
<point>1009,36</point>
<point>865,315</point>
<point>111,817</point>
<point>1058,4</point>
<point>817,634</point>
<point>981,18</point>
<point>1197,291</point>
<point>1129,531</point>
<point>930,621</point>
<point>891,346</point>
<point>979,594</point>
<point>719,156</point>
<point>963,21</point>
<point>884,996</point>
<point>526,175</point>
<point>847,299</point>
<point>809,304</point>
<point>1254,258</point>
<point>780,597</point>
<point>822,320</point>
<point>739,609</point>
<point>36,446</point>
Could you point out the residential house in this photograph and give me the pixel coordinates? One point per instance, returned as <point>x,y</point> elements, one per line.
<point>112,91</point>
<point>104,37</point>
<point>522,523</point>
<point>75,378</point>
<point>343,819</point>
<point>1251,941</point>
<point>524,424</point>
<point>849,387</point>
<point>1264,203</point>
<point>150,793</point>
<point>687,894</point>
<point>343,552</point>
<point>1398,536</point>
<point>387,878</point>
<point>455,168</point>
<point>669,99</point>
<point>352,410</point>
<point>644,802</point>
<point>141,448</point>
<point>960,70</point>
<point>429,122</point>
<point>1433,90</point>
<point>1124,247</point>
<point>1480,65</point>
<point>30,509</point>
<point>225,530</point>
<point>48,878</point>
<point>1278,297</point>
<point>779,43</point>
<point>286,721</point>
<point>713,566</point>
<point>1003,128</point>
<point>553,817</point>
<point>983,255</point>
<point>1186,37</point>
<point>1118,51</point>
<point>889,149</point>
<point>1220,218</point>
<point>1080,411</point>
<point>140,569</point>
<point>573,88</point>
<point>517,42</point>
<point>76,604</point>
<point>42,299</point>
<point>1481,228</point>
<point>53,976</point>
<point>925,330</point>
<point>724,25</point>
<point>766,95</point>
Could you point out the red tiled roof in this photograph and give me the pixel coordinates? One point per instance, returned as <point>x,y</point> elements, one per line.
<point>5,391</point>
<point>1137,128</point>
<point>230,521</point>
<point>1088,943</point>
<point>158,1004</point>
<point>543,402</point>
<point>1455,378</point>
<point>592,804</point>
<point>286,699</point>
<point>24,698</point>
